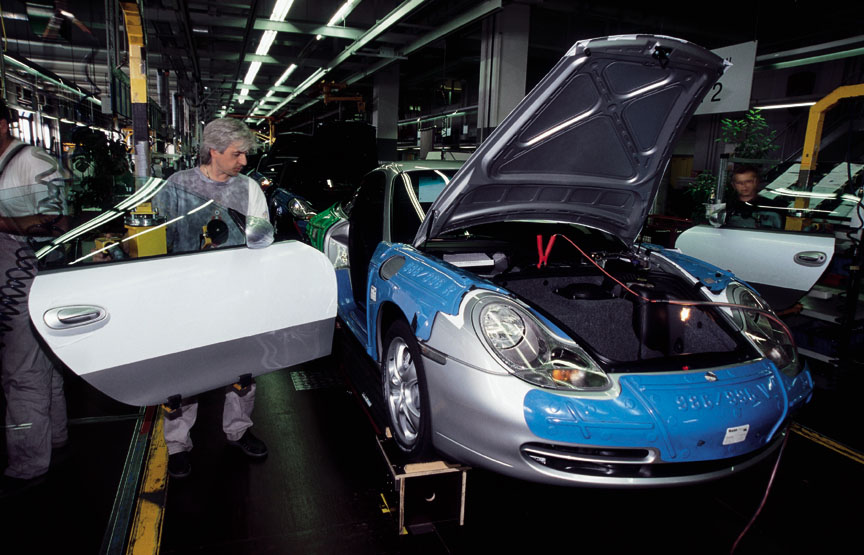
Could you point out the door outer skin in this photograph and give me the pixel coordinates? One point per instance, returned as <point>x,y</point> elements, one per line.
<point>782,266</point>
<point>187,324</point>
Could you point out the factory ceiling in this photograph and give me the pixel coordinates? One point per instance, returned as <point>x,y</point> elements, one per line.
<point>269,57</point>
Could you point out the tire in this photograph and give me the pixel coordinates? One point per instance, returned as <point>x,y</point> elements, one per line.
<point>403,382</point>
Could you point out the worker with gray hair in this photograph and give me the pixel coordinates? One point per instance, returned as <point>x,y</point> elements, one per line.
<point>210,206</point>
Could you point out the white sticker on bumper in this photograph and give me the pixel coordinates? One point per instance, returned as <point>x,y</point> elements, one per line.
<point>736,434</point>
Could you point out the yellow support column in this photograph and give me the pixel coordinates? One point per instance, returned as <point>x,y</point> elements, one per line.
<point>138,87</point>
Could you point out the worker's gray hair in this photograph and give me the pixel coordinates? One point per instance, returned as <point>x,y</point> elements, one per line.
<point>221,133</point>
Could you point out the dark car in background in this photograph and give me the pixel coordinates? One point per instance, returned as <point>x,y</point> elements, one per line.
<point>310,173</point>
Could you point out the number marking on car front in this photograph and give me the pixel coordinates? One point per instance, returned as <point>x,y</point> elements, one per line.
<point>738,397</point>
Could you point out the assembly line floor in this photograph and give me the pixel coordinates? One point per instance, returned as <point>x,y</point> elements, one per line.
<point>319,490</point>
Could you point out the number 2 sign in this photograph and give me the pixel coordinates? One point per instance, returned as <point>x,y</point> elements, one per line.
<point>732,92</point>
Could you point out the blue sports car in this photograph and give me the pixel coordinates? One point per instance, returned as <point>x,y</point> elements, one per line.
<point>519,326</point>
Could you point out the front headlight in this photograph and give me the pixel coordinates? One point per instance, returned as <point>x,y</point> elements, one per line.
<point>300,209</point>
<point>531,352</point>
<point>767,334</point>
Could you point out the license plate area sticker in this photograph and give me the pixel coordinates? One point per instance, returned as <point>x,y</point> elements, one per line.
<point>736,434</point>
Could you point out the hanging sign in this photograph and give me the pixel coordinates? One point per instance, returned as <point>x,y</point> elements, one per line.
<point>732,92</point>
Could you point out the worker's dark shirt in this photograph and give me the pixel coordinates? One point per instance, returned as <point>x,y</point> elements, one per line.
<point>761,212</point>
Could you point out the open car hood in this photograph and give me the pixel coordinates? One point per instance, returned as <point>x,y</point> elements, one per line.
<point>588,145</point>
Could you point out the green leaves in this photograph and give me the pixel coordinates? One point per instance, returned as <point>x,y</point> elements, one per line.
<point>750,134</point>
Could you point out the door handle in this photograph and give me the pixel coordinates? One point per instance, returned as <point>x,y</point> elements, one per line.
<point>66,317</point>
<point>811,258</point>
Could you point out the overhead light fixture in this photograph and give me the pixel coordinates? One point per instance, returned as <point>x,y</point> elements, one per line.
<point>250,75</point>
<point>285,75</point>
<point>340,15</point>
<point>388,21</point>
<point>202,30</point>
<point>266,42</point>
<point>280,11</point>
<point>343,12</point>
<point>779,106</point>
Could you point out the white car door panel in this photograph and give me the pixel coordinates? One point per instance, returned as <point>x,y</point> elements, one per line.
<point>787,261</point>
<point>145,330</point>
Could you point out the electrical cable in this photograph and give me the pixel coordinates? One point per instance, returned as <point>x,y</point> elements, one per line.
<point>15,288</point>
<point>544,257</point>
<point>764,497</point>
<point>768,314</point>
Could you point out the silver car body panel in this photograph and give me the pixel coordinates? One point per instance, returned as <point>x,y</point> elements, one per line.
<point>489,430</point>
<point>588,145</point>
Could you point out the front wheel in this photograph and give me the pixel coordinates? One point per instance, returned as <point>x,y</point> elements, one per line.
<point>404,385</point>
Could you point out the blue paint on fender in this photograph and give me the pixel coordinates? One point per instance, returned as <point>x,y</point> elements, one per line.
<point>421,288</point>
<point>684,416</point>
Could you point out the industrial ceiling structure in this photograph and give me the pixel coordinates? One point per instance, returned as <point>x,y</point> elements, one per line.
<point>269,57</point>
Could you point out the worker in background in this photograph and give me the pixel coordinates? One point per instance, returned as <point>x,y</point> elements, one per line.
<point>748,209</point>
<point>32,207</point>
<point>202,224</point>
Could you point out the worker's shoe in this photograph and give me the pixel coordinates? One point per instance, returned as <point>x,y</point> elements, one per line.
<point>179,464</point>
<point>250,445</point>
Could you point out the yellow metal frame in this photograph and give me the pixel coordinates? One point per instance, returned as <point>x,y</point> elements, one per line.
<point>270,138</point>
<point>137,62</point>
<point>812,140</point>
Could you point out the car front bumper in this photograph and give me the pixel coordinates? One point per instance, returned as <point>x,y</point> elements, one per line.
<point>650,430</point>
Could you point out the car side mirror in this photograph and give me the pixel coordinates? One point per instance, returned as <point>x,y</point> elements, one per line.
<point>717,218</point>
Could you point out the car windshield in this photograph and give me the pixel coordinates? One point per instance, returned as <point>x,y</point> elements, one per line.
<point>426,185</point>
<point>414,192</point>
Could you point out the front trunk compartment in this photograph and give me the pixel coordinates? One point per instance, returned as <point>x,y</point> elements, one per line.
<point>619,327</point>
<point>619,313</point>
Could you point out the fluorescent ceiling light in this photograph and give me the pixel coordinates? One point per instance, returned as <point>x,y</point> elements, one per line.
<point>250,75</point>
<point>342,12</point>
<point>389,20</point>
<point>266,42</point>
<point>285,75</point>
<point>280,10</point>
<point>854,52</point>
<point>203,30</point>
<point>778,106</point>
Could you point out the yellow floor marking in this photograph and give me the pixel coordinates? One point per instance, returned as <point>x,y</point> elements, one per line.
<point>147,522</point>
<point>829,443</point>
